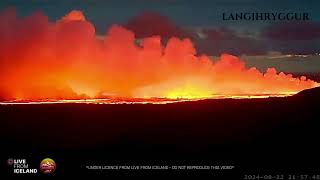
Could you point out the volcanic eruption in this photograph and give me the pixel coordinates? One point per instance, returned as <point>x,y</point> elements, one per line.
<point>63,60</point>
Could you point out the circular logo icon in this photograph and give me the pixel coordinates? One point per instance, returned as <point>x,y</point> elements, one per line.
<point>47,166</point>
<point>10,162</point>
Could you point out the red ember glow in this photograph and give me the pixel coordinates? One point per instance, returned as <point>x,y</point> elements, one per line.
<point>41,60</point>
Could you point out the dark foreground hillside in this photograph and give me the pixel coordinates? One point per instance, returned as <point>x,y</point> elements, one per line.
<point>274,135</point>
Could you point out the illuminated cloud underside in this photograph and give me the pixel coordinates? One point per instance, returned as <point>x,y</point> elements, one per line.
<point>42,60</point>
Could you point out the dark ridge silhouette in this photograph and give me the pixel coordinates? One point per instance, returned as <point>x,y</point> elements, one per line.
<point>310,93</point>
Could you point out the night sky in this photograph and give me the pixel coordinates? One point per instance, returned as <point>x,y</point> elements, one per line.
<point>202,22</point>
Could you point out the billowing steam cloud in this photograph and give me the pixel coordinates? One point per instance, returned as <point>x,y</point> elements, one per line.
<point>64,59</point>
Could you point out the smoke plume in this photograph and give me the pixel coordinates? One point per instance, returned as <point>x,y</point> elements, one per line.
<point>64,60</point>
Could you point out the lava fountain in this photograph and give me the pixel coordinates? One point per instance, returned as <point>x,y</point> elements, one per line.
<point>63,60</point>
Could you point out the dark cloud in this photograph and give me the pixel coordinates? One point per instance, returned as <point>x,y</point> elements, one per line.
<point>295,46</point>
<point>218,40</point>
<point>293,37</point>
<point>292,31</point>
<point>223,39</point>
<point>287,38</point>
<point>150,23</point>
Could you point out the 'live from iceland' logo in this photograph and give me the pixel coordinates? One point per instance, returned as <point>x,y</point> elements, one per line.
<point>20,166</point>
